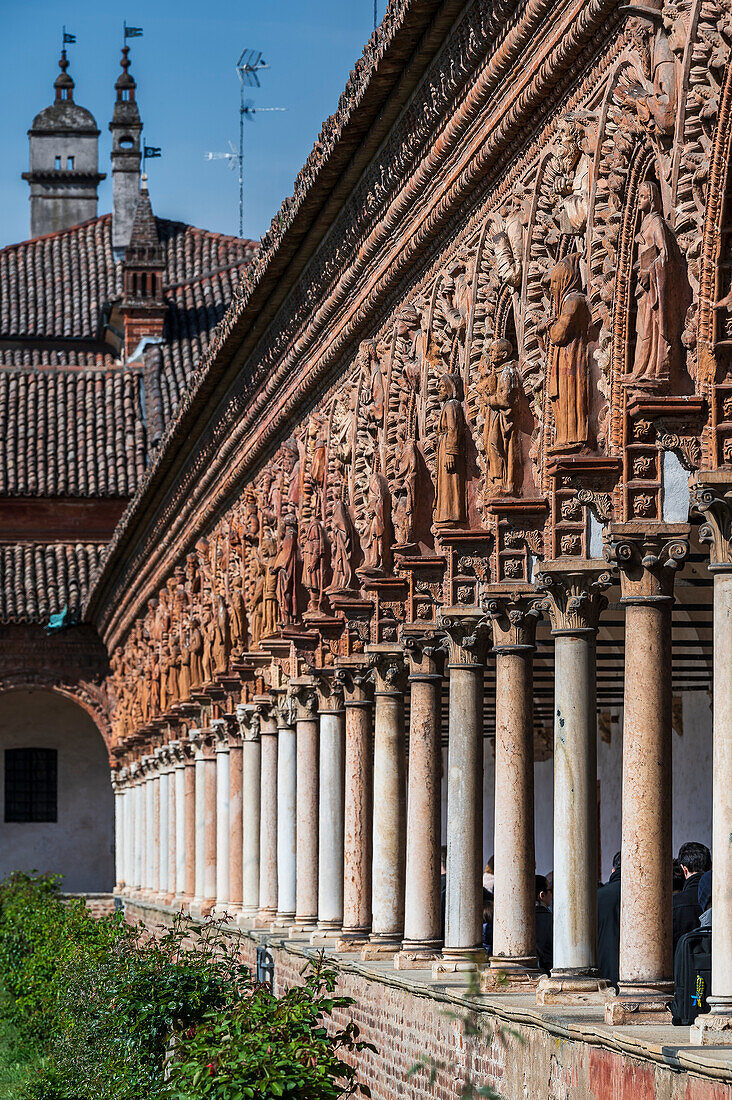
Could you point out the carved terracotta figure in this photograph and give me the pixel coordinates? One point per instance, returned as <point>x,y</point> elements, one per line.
<point>499,391</point>
<point>209,629</point>
<point>145,690</point>
<point>450,461</point>
<point>284,567</point>
<point>221,639</point>
<point>342,551</point>
<point>195,646</point>
<point>238,615</point>
<point>568,356</point>
<point>155,687</point>
<point>374,539</point>
<point>572,183</point>
<point>405,493</point>
<point>270,588</point>
<point>313,563</point>
<point>256,610</point>
<point>661,294</point>
<point>184,676</point>
<point>172,691</point>
<point>164,700</point>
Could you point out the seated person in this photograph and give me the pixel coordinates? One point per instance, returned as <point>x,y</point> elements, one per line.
<point>695,859</point>
<point>544,925</point>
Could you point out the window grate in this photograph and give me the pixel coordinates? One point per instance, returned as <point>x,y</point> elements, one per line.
<point>31,785</point>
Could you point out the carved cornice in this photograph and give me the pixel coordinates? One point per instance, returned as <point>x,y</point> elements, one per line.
<point>475,138</point>
<point>574,594</point>
<point>648,558</point>
<point>711,498</point>
<point>468,637</point>
<point>514,615</point>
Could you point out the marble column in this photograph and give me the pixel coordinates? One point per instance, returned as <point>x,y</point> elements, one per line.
<point>268,816</point>
<point>161,758</point>
<point>306,911</point>
<point>221,748</point>
<point>286,811</point>
<point>138,819</point>
<point>648,557</point>
<point>235,817</point>
<point>422,904</point>
<point>251,794</point>
<point>513,965</point>
<point>573,601</point>
<point>205,819</point>
<point>178,755</point>
<point>129,829</point>
<point>467,636</point>
<point>149,884</point>
<point>390,804</point>
<point>119,830</point>
<point>190,822</point>
<point>170,887</point>
<point>712,500</point>
<point>356,682</point>
<point>331,808</point>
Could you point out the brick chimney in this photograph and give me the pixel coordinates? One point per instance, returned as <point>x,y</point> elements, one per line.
<point>143,305</point>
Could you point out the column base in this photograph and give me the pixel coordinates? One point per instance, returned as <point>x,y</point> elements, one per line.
<point>303,926</point>
<point>713,1029</point>
<point>202,908</point>
<point>181,902</point>
<point>327,934</point>
<point>566,988</point>
<point>245,919</point>
<point>418,954</point>
<point>282,922</point>
<point>640,1003</point>
<point>454,961</point>
<point>264,918</point>
<point>508,974</point>
<point>352,940</point>
<point>377,947</point>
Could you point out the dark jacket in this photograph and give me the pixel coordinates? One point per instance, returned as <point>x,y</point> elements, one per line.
<point>608,929</point>
<point>687,909</point>
<point>544,937</point>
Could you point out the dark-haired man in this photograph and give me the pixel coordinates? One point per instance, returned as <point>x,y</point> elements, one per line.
<point>544,924</point>
<point>695,859</point>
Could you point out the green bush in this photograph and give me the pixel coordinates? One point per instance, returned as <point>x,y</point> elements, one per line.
<point>105,1004</point>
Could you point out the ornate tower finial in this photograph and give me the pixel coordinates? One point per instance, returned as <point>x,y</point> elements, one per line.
<point>126,128</point>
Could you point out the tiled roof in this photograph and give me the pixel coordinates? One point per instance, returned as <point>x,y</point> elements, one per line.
<point>38,581</point>
<point>70,433</point>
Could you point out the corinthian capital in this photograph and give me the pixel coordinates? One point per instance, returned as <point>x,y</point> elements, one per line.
<point>648,557</point>
<point>387,662</point>
<point>468,636</point>
<point>356,681</point>
<point>711,498</point>
<point>248,719</point>
<point>514,612</point>
<point>306,697</point>
<point>573,594</point>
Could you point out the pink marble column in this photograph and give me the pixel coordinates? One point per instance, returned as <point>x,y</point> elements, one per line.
<point>390,808</point>
<point>268,814</point>
<point>306,912</point>
<point>422,916</point>
<point>513,611</point>
<point>467,639</point>
<point>648,556</point>
<point>356,682</point>
<point>235,818</point>
<point>574,599</point>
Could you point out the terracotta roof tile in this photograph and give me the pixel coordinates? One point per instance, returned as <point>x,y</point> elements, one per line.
<point>39,581</point>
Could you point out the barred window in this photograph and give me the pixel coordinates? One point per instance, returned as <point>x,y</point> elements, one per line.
<point>31,784</point>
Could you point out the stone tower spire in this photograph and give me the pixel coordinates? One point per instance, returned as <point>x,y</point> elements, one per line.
<point>64,161</point>
<point>126,128</point>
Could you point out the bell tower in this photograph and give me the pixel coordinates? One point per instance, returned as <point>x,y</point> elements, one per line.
<point>64,161</point>
<point>126,129</point>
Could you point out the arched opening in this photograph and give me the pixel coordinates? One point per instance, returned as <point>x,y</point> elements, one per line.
<point>56,803</point>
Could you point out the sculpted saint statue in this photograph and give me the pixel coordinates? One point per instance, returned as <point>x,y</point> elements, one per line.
<point>155,687</point>
<point>164,700</point>
<point>195,648</point>
<point>313,569</point>
<point>257,602</point>
<point>341,530</point>
<point>184,676</point>
<point>568,357</point>
<point>172,686</point>
<point>405,493</point>
<point>499,391</point>
<point>270,587</point>
<point>238,615</point>
<point>450,462</point>
<point>374,539</point>
<point>221,641</point>
<point>661,293</point>
<point>284,567</point>
<point>209,629</point>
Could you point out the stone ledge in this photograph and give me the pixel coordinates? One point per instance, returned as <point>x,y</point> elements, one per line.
<point>578,1023</point>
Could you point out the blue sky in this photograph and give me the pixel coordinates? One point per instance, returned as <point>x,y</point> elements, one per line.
<point>188,93</point>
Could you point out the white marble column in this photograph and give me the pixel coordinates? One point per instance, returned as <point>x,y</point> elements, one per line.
<point>205,844</point>
<point>286,811</point>
<point>138,819</point>
<point>161,758</point>
<point>221,748</point>
<point>179,751</point>
<point>574,600</point>
<point>268,815</point>
<point>331,807</point>
<point>422,916</point>
<point>514,965</point>
<point>712,500</point>
<point>149,884</point>
<point>467,636</point>
<point>170,886</point>
<point>118,780</point>
<point>306,908</point>
<point>235,819</point>
<point>251,793</point>
<point>390,804</point>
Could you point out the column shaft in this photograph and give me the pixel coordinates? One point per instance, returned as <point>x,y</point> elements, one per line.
<point>358,816</point>
<point>286,824</point>
<point>722,799</point>
<point>170,887</point>
<point>306,912</point>
<point>251,778</point>
<point>331,818</point>
<point>222,823</point>
<point>235,822</point>
<point>191,831</point>
<point>268,825</point>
